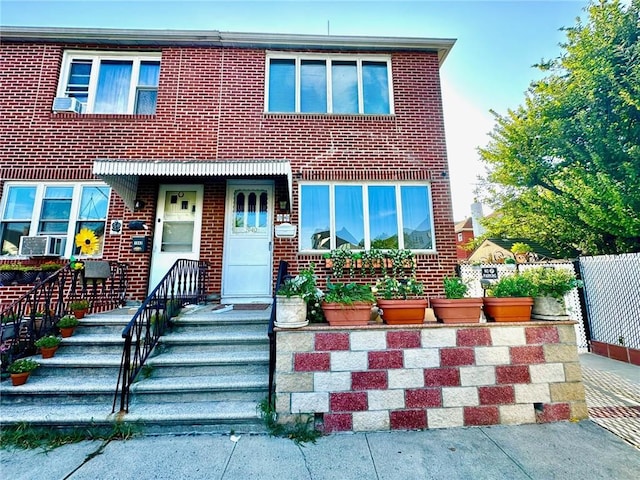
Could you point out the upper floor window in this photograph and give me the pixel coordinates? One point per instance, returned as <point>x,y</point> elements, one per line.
<point>365,216</point>
<point>60,210</point>
<point>111,82</point>
<point>320,84</point>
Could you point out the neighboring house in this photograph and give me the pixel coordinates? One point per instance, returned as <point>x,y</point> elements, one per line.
<point>200,142</point>
<point>464,234</point>
<point>496,250</point>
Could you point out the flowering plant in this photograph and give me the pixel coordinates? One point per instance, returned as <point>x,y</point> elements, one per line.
<point>390,288</point>
<point>87,241</point>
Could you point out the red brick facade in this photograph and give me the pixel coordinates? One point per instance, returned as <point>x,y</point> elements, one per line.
<point>211,107</point>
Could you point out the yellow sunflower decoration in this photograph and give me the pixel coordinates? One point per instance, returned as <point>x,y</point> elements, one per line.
<point>87,241</point>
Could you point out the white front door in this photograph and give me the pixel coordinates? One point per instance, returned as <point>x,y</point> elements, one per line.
<point>177,228</point>
<point>247,259</point>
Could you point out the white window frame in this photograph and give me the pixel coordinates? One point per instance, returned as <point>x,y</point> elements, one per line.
<point>359,59</point>
<point>96,57</point>
<point>365,206</point>
<point>73,214</point>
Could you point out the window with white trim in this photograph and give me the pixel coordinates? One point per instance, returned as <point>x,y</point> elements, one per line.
<point>111,82</point>
<point>57,209</point>
<point>365,216</point>
<point>343,84</point>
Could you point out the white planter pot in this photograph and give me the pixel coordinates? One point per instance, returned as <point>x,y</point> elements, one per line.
<point>291,312</point>
<point>548,308</point>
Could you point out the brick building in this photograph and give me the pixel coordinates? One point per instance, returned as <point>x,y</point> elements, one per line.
<point>202,143</point>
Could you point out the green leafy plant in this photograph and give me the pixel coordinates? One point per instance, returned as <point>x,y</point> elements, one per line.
<point>348,293</point>
<point>301,431</point>
<point>520,247</point>
<point>302,285</point>
<point>510,261</point>
<point>68,321</point>
<point>10,267</point>
<point>48,342</point>
<point>514,285</point>
<point>50,266</point>
<point>23,365</point>
<point>454,287</point>
<point>390,288</point>
<point>552,282</point>
<point>79,305</point>
<point>341,259</point>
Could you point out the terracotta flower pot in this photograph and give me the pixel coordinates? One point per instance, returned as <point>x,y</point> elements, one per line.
<point>48,352</point>
<point>19,378</point>
<point>67,331</point>
<point>79,314</point>
<point>403,312</point>
<point>459,310</point>
<point>337,314</point>
<point>510,309</point>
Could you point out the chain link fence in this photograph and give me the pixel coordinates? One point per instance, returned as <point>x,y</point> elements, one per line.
<point>612,296</point>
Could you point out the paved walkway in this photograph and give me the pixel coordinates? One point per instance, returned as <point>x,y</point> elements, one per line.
<point>612,390</point>
<point>562,450</point>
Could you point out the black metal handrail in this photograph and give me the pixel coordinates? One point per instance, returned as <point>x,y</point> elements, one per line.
<point>36,312</point>
<point>283,268</point>
<point>183,284</point>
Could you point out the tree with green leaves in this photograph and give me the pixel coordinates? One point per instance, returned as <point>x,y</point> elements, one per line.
<point>564,167</point>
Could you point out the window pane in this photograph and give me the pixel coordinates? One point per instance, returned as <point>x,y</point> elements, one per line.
<point>10,239</point>
<point>177,237</point>
<point>349,216</point>
<point>146,102</point>
<point>79,75</point>
<point>94,203</point>
<point>313,86</point>
<point>383,217</point>
<point>375,86</point>
<point>114,82</point>
<point>149,74</point>
<point>282,74</point>
<point>344,85</point>
<point>314,223</point>
<point>416,218</point>
<point>20,202</point>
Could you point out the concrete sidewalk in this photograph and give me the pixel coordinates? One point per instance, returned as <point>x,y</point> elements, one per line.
<point>559,450</point>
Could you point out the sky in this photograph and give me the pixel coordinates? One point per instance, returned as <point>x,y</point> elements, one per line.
<point>489,68</point>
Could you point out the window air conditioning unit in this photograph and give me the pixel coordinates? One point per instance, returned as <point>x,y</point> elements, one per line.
<point>67,104</point>
<point>41,246</point>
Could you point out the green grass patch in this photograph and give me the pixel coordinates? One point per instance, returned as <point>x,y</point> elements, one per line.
<point>26,436</point>
<point>301,431</point>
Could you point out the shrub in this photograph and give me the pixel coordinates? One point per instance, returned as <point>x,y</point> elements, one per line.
<point>513,286</point>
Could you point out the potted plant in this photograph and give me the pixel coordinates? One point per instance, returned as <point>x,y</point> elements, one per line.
<point>48,345</point>
<point>347,304</point>
<point>397,300</point>
<point>455,308</point>
<point>27,274</point>
<point>67,325</point>
<point>292,298</point>
<point>48,268</point>
<point>551,285</point>
<point>79,308</point>
<point>510,300</point>
<point>8,273</point>
<point>521,251</point>
<point>21,369</point>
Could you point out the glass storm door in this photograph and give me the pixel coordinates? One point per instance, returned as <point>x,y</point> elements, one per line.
<point>246,275</point>
<point>177,228</point>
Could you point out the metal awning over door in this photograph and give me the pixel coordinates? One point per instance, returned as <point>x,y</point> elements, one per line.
<point>123,175</point>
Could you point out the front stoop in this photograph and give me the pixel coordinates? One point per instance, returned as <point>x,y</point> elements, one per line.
<point>206,375</point>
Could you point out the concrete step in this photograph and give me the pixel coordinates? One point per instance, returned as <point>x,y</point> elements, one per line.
<point>200,389</point>
<point>69,365</point>
<point>167,418</point>
<point>41,390</point>
<point>85,343</point>
<point>214,341</point>
<point>202,363</point>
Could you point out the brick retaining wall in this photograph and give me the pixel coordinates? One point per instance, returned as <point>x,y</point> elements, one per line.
<point>381,377</point>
